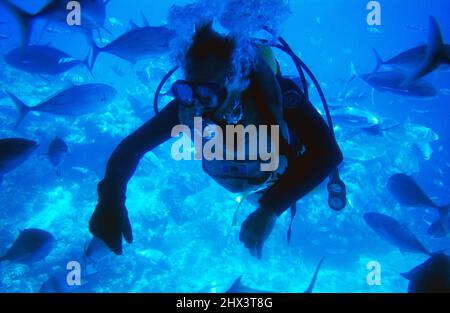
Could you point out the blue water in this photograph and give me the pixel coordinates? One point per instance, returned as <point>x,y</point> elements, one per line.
<point>182,220</point>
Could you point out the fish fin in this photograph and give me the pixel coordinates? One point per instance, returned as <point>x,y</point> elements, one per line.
<point>236,286</point>
<point>436,230</point>
<point>435,52</point>
<point>96,50</point>
<point>21,107</point>
<point>86,64</point>
<point>379,60</point>
<point>353,73</point>
<point>88,267</point>
<point>403,252</point>
<point>436,41</point>
<point>84,262</point>
<point>85,247</point>
<point>107,31</point>
<point>406,275</point>
<point>24,19</point>
<point>145,20</point>
<point>132,62</point>
<point>293,213</point>
<point>90,270</point>
<point>44,28</point>
<point>313,280</point>
<point>133,25</point>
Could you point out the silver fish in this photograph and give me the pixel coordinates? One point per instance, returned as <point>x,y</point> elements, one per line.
<point>42,60</point>
<point>32,245</point>
<point>55,11</point>
<point>57,151</point>
<point>138,44</point>
<point>395,233</point>
<point>393,82</point>
<point>75,101</point>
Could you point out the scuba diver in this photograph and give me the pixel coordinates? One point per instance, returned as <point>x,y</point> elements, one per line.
<point>217,89</point>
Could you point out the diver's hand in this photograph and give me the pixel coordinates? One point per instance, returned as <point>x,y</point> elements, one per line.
<point>109,223</point>
<point>256,229</point>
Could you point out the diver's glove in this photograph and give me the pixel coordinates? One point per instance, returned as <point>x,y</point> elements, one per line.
<point>256,229</point>
<point>109,221</point>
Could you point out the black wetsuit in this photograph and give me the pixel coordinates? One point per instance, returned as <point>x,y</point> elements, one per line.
<point>304,172</point>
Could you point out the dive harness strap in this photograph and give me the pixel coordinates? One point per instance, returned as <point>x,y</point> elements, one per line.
<point>337,195</point>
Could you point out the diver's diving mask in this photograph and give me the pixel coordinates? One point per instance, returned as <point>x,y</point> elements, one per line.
<point>213,101</point>
<point>209,96</point>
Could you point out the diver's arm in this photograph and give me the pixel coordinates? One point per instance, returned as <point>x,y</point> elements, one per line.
<point>109,221</point>
<point>322,155</point>
<point>125,159</point>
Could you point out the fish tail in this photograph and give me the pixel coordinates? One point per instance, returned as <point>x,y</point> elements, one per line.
<point>145,20</point>
<point>95,52</point>
<point>24,19</point>
<point>313,280</point>
<point>435,53</point>
<point>379,60</point>
<point>237,284</point>
<point>21,107</point>
<point>436,45</point>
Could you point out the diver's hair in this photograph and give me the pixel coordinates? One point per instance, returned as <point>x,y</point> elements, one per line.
<point>234,52</point>
<point>208,43</point>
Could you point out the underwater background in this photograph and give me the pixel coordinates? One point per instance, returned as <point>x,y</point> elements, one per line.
<point>184,240</point>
